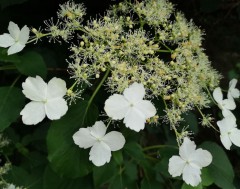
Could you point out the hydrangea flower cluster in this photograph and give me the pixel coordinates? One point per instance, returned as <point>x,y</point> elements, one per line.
<point>139,64</point>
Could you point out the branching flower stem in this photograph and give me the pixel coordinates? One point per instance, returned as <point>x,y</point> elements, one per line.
<point>95,92</point>
<point>159,146</point>
<point>8,67</point>
<point>209,93</point>
<point>203,116</point>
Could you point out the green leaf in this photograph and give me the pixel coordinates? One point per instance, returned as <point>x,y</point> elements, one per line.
<point>117,182</point>
<point>21,177</point>
<point>190,120</point>
<point>103,174</point>
<point>4,57</point>
<point>121,181</point>
<point>66,158</point>
<point>118,157</point>
<point>164,155</point>
<point>12,101</point>
<point>150,184</point>
<point>186,186</point>
<point>131,170</point>
<point>220,169</point>
<point>134,150</point>
<point>51,181</point>
<point>31,64</point>
<point>207,179</point>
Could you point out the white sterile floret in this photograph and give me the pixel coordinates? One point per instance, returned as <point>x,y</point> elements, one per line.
<point>229,133</point>
<point>189,163</point>
<point>47,100</point>
<point>16,39</point>
<point>10,186</point>
<point>225,105</point>
<point>131,107</point>
<point>101,143</point>
<point>232,91</point>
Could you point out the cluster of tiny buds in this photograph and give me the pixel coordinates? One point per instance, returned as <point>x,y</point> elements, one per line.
<point>70,16</point>
<point>73,95</point>
<point>167,59</point>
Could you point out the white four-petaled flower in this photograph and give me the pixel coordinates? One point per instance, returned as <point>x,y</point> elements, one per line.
<point>225,105</point>
<point>10,186</point>
<point>232,91</point>
<point>16,39</point>
<point>229,133</point>
<point>47,99</point>
<point>131,107</point>
<point>101,143</point>
<point>189,163</point>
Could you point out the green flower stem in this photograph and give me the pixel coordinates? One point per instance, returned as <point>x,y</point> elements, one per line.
<point>83,30</point>
<point>15,81</point>
<point>173,126</point>
<point>95,92</point>
<point>203,116</point>
<point>3,180</point>
<point>109,122</point>
<point>159,146</point>
<point>209,93</point>
<point>141,22</point>
<point>170,50</point>
<point>39,37</point>
<point>74,84</point>
<point>8,67</point>
<point>166,51</point>
<point>151,158</point>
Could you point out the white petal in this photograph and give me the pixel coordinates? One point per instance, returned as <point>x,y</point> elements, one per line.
<point>116,106</point>
<point>83,138</point>
<point>135,119</point>
<point>234,93</point>
<point>14,30</point>
<point>176,166</point>
<point>227,113</point>
<point>98,130</point>
<point>24,35</point>
<point>201,157</point>
<point>229,104</point>
<point>10,186</point>
<point>227,124</point>
<point>232,83</point>
<point>191,175</point>
<point>147,108</point>
<point>56,108</point>
<point>6,40</point>
<point>56,88</point>
<point>15,48</point>
<point>134,92</point>
<point>35,88</point>
<point>100,154</point>
<point>187,148</point>
<point>217,95</point>
<point>115,140</point>
<point>33,113</point>
<point>235,136</point>
<point>226,141</point>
